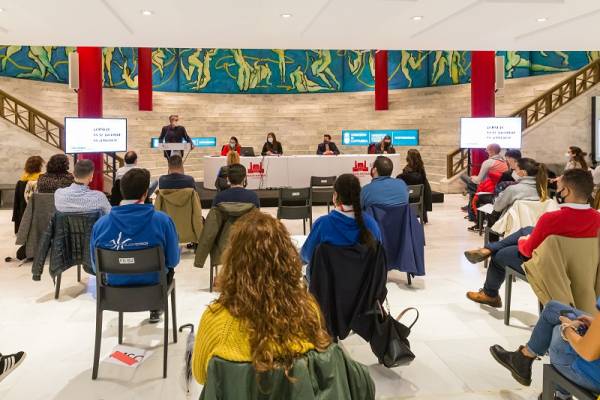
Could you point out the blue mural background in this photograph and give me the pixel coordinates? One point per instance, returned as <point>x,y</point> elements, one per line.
<point>280,71</point>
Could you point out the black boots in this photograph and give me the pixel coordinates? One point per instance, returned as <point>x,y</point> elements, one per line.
<point>517,363</point>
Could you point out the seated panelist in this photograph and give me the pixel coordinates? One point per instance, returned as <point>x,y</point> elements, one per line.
<point>233,145</point>
<point>327,148</point>
<point>272,147</point>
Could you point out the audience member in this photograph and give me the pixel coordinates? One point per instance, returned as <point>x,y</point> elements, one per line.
<point>57,175</point>
<point>272,147</point>
<point>531,184</point>
<point>221,182</point>
<point>570,337</point>
<point>25,188</point>
<point>134,226</point>
<point>575,219</point>
<point>79,197</point>
<point>346,225</point>
<point>494,163</point>
<point>509,177</point>
<point>327,148</point>
<point>176,178</point>
<point>576,158</point>
<point>9,362</point>
<point>264,314</point>
<point>414,174</point>
<point>383,189</point>
<point>385,146</point>
<point>237,192</point>
<point>130,159</point>
<point>232,146</point>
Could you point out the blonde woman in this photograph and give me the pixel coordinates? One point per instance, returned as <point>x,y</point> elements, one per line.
<point>221,182</point>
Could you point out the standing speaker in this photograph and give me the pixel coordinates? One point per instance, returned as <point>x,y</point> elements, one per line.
<point>74,70</point>
<point>499,72</point>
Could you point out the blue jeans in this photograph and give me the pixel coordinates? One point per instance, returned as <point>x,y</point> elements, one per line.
<point>504,253</point>
<point>546,338</point>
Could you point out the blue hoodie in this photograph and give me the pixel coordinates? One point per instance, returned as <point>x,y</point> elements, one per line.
<point>337,229</point>
<point>135,227</point>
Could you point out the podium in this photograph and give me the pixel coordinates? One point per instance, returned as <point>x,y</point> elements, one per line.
<point>175,148</point>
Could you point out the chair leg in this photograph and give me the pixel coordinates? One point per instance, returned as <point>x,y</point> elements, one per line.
<point>210,287</point>
<point>79,273</point>
<point>97,343</point>
<point>508,281</point>
<point>408,278</point>
<point>304,226</point>
<point>548,388</point>
<point>174,316</point>
<point>57,285</point>
<point>166,339</point>
<point>120,328</point>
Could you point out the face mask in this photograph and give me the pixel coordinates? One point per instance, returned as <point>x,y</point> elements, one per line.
<point>270,140</point>
<point>232,144</point>
<point>386,144</point>
<point>516,176</point>
<point>567,155</point>
<point>325,140</point>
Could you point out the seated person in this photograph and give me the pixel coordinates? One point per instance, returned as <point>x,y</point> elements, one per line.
<point>250,322</point>
<point>134,226</point>
<point>176,179</point>
<point>573,343</point>
<point>328,147</point>
<point>57,175</point>
<point>509,177</point>
<point>383,189</point>
<point>79,197</point>
<point>383,147</point>
<point>495,163</point>
<point>237,192</point>
<point>531,184</point>
<point>346,225</point>
<point>414,174</point>
<point>272,147</point>
<point>221,182</point>
<point>575,219</point>
<point>130,159</point>
<point>233,145</point>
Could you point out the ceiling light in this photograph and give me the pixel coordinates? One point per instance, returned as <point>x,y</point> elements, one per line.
<point>417,18</point>
<point>286,16</point>
<point>1,9</point>
<point>542,19</point>
<point>147,13</point>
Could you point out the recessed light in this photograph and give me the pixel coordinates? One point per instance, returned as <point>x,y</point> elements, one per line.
<point>147,13</point>
<point>417,18</point>
<point>286,16</point>
<point>1,9</point>
<point>542,19</point>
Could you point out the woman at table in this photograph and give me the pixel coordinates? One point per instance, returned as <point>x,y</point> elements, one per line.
<point>272,147</point>
<point>222,183</point>
<point>233,145</point>
<point>346,225</point>
<point>414,174</point>
<point>383,147</point>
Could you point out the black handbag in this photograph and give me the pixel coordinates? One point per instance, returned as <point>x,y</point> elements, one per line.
<point>390,338</point>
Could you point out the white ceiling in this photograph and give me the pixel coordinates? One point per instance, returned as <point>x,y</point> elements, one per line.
<point>329,24</point>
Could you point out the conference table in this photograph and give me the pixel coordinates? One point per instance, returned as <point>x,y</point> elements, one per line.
<point>272,172</point>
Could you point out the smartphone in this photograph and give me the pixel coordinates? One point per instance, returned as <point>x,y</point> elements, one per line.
<point>572,316</point>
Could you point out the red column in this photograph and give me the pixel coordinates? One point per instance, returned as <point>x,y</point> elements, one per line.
<point>381,80</point>
<point>145,79</point>
<point>89,99</point>
<point>483,96</point>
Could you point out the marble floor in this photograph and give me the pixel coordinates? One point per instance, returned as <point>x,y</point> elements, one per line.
<point>451,339</point>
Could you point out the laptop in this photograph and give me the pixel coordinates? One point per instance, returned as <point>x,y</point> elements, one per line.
<point>247,152</point>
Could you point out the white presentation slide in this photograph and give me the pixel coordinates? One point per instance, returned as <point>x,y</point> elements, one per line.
<point>478,133</point>
<point>95,135</point>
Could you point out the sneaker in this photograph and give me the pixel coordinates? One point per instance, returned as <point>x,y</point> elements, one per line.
<point>9,363</point>
<point>474,228</point>
<point>477,256</point>
<point>482,298</point>
<point>155,317</point>
<point>516,362</point>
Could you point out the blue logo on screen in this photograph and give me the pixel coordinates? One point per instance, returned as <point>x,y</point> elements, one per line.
<point>198,142</point>
<point>402,137</point>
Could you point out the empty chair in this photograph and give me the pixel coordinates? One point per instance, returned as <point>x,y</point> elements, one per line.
<point>416,199</point>
<point>295,204</point>
<point>322,189</point>
<point>124,299</point>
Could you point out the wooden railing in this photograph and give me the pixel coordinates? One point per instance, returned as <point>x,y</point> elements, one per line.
<point>454,167</point>
<point>44,127</point>
<point>545,104</point>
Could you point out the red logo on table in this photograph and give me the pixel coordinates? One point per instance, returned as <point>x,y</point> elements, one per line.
<point>255,169</point>
<point>360,168</point>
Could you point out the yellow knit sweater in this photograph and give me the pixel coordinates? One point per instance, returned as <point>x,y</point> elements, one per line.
<point>221,334</point>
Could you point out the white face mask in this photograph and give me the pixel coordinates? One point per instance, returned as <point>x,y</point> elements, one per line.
<point>516,176</point>
<point>232,144</point>
<point>270,140</point>
<point>568,155</point>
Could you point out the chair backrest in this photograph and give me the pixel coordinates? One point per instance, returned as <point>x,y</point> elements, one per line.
<point>294,203</point>
<point>322,181</point>
<point>247,151</point>
<point>415,193</point>
<point>130,262</point>
<point>78,231</point>
<point>347,282</point>
<point>294,196</point>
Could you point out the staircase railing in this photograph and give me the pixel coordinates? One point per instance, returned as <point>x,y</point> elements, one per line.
<point>44,127</point>
<point>545,104</point>
<point>454,167</point>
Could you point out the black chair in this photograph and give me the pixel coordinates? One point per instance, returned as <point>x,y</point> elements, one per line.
<point>295,204</point>
<point>416,200</point>
<point>321,188</point>
<point>554,379</point>
<point>132,298</point>
<point>510,276</point>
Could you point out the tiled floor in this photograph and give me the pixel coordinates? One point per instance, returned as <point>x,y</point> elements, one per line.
<point>450,341</point>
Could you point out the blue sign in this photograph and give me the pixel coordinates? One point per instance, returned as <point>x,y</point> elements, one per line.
<point>401,137</point>
<point>198,142</point>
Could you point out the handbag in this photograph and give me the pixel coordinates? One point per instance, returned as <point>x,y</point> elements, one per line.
<point>389,341</point>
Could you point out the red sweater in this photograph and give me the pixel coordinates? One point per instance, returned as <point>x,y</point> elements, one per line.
<point>226,149</point>
<point>568,222</point>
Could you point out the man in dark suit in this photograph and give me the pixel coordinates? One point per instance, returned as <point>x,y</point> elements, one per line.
<point>327,148</point>
<point>174,133</point>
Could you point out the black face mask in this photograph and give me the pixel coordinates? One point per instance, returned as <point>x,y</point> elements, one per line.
<point>560,199</point>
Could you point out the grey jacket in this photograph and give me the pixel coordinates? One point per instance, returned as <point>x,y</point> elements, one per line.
<point>525,189</point>
<point>36,219</point>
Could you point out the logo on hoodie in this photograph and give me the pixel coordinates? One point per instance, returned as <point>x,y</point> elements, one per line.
<point>119,243</point>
